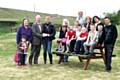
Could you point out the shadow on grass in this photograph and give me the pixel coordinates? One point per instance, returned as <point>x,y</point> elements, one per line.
<point>94,66</point>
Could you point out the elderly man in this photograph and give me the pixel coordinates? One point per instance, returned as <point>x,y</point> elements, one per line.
<point>80,18</point>
<point>36,42</point>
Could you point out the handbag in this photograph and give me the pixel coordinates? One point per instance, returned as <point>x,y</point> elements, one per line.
<point>17,57</point>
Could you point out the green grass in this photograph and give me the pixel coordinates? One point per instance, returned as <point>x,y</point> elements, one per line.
<point>4,30</point>
<point>73,70</point>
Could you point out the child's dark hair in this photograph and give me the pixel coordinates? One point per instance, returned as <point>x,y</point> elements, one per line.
<point>23,36</point>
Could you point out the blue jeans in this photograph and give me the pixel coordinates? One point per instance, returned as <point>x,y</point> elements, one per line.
<point>47,45</point>
<point>66,58</point>
<point>89,47</point>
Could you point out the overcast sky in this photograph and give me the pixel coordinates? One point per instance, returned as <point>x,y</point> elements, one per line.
<point>64,7</point>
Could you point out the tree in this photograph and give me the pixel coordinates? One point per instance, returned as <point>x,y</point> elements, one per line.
<point>115,17</point>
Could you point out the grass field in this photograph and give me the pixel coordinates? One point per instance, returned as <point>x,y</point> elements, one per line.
<point>73,70</point>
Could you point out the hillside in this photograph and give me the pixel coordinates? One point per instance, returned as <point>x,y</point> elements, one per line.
<point>18,15</point>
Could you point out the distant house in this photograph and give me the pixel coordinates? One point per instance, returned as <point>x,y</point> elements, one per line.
<point>8,22</point>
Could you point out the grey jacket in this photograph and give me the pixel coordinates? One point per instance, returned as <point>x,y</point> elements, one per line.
<point>37,34</point>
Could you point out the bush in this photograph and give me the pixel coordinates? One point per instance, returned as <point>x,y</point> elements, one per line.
<point>57,26</point>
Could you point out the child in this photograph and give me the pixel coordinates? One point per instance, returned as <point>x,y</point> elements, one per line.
<point>70,35</point>
<point>91,40</point>
<point>80,40</point>
<point>22,50</point>
<point>77,29</point>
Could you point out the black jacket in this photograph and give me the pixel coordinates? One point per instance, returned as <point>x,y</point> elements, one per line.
<point>49,28</point>
<point>37,34</point>
<point>62,33</point>
<point>87,26</point>
<point>111,34</point>
<point>101,38</point>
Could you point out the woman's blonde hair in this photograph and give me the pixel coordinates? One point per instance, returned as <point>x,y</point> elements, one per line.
<point>64,21</point>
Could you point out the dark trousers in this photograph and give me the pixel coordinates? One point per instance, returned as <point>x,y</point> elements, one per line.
<point>35,52</point>
<point>62,56</point>
<point>79,46</point>
<point>47,45</point>
<point>22,59</point>
<point>71,49</point>
<point>72,44</point>
<point>108,55</point>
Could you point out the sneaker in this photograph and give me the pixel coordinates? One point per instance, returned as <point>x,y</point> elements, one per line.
<point>108,71</point>
<point>86,53</point>
<point>61,49</point>
<point>57,49</point>
<point>65,60</point>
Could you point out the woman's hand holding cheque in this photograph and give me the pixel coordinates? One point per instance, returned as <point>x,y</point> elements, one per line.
<point>45,35</point>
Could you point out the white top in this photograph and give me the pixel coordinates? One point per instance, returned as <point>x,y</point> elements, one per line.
<point>40,27</point>
<point>77,34</point>
<point>81,20</point>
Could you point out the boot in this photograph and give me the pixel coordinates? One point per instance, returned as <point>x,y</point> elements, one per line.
<point>50,58</point>
<point>45,58</point>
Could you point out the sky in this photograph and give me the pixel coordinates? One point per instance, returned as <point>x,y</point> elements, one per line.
<point>64,7</point>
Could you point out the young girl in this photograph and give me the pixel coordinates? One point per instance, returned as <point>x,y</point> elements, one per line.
<point>22,50</point>
<point>91,40</point>
<point>70,35</point>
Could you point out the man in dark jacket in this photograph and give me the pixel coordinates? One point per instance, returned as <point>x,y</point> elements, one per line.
<point>36,41</point>
<point>48,36</point>
<point>110,39</point>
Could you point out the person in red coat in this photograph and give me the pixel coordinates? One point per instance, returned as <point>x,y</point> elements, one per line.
<point>70,37</point>
<point>70,41</point>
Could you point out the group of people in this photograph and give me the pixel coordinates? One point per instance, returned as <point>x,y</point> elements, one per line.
<point>87,34</point>
<point>36,35</point>
<point>81,39</point>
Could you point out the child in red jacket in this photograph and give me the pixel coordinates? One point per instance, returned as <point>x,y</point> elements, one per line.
<point>80,40</point>
<point>70,35</point>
